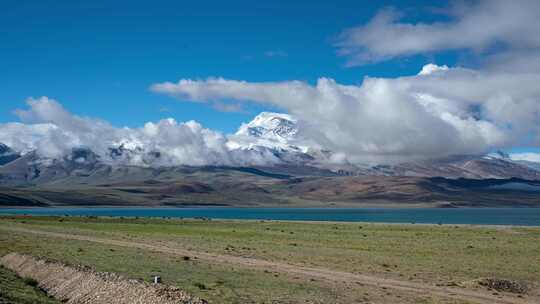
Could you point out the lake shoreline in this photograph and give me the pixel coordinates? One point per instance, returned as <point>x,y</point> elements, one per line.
<point>435,216</point>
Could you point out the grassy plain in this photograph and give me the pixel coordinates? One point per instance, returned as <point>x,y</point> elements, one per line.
<point>444,255</point>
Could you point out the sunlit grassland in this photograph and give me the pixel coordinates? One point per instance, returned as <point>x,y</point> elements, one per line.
<point>436,255</point>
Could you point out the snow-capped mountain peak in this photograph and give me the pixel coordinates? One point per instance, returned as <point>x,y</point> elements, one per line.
<point>273,126</point>
<point>274,133</point>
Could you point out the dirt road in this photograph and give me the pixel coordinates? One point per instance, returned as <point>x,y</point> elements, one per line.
<point>326,275</point>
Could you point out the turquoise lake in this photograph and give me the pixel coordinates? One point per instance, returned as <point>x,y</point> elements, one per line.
<point>476,216</point>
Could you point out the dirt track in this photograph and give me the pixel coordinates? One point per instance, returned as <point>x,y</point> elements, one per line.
<point>330,276</point>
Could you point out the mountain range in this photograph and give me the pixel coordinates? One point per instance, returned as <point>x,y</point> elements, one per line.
<point>297,175</point>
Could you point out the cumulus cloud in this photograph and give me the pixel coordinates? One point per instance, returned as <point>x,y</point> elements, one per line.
<point>431,68</point>
<point>53,132</point>
<point>168,89</point>
<point>441,111</point>
<point>479,26</point>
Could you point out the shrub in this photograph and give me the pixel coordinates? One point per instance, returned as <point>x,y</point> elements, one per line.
<point>30,282</point>
<point>201,286</point>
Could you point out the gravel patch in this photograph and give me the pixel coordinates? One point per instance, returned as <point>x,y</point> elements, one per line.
<point>83,285</point>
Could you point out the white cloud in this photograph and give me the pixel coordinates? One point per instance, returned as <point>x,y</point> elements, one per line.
<point>476,25</point>
<point>438,112</point>
<point>442,111</point>
<point>51,130</point>
<point>431,68</point>
<point>169,89</point>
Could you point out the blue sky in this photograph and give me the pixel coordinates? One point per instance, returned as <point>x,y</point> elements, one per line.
<point>98,58</point>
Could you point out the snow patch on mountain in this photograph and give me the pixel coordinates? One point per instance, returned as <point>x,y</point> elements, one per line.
<point>276,131</point>
<point>498,155</point>
<point>7,154</point>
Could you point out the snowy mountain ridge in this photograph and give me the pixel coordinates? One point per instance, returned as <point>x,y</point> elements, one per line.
<point>272,139</point>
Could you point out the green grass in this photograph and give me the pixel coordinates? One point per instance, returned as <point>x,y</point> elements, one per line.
<point>424,253</point>
<point>15,290</point>
<point>215,283</point>
<point>444,253</point>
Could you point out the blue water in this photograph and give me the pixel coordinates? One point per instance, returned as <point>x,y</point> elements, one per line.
<point>478,216</point>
